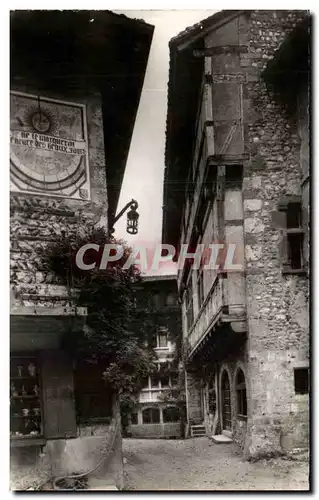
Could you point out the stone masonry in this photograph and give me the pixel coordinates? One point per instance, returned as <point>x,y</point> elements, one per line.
<point>271,146</point>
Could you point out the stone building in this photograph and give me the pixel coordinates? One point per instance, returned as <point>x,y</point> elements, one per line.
<point>76,80</point>
<point>157,415</point>
<point>237,172</point>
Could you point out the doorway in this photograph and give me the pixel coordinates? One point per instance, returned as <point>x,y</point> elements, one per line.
<point>226,402</point>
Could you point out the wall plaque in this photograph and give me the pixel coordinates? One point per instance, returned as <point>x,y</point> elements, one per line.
<point>48,147</point>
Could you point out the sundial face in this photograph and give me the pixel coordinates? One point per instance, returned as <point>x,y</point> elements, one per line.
<point>41,122</point>
<point>48,147</point>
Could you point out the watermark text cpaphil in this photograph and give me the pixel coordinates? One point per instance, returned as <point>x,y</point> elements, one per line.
<point>215,256</point>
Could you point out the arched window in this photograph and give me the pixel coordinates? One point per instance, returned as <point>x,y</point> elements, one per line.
<point>151,416</point>
<point>171,414</point>
<point>241,394</point>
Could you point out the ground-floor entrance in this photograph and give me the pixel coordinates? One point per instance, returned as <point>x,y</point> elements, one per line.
<point>226,402</point>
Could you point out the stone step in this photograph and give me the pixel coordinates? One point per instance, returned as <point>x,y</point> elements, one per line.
<point>221,439</point>
<point>198,430</point>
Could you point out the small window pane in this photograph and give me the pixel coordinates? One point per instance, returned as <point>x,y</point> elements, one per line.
<point>295,250</point>
<point>154,380</point>
<point>301,376</point>
<point>174,379</point>
<point>294,216</point>
<point>170,300</point>
<point>146,414</point>
<point>155,416</point>
<point>162,339</point>
<point>144,383</point>
<point>25,402</point>
<point>151,416</point>
<point>165,381</point>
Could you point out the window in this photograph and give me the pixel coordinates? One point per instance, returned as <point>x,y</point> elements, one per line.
<point>25,407</point>
<point>155,378</point>
<point>144,383</point>
<point>134,418</point>
<point>170,300</point>
<point>301,376</point>
<point>162,339</point>
<point>241,394</point>
<point>293,236</point>
<point>151,416</point>
<point>158,300</point>
<point>174,379</point>
<point>171,414</point>
<point>164,381</point>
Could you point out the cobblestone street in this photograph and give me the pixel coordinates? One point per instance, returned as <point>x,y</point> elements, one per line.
<point>199,464</point>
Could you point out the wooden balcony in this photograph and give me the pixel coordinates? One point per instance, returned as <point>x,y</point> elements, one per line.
<point>214,314</point>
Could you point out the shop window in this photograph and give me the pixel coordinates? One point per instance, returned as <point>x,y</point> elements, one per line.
<point>241,394</point>
<point>134,418</point>
<point>301,378</point>
<point>151,416</point>
<point>171,414</point>
<point>25,403</point>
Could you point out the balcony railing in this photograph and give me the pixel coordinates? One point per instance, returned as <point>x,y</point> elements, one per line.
<point>209,312</point>
<point>152,395</point>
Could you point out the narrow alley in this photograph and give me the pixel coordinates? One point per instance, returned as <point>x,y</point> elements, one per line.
<point>199,464</point>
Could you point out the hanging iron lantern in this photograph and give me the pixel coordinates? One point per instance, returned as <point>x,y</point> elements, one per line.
<point>132,220</point>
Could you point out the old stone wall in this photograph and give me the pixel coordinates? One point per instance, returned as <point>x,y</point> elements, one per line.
<point>37,220</point>
<point>273,148</point>
<point>277,304</point>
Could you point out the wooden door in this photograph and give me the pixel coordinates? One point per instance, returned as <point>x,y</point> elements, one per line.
<point>226,402</point>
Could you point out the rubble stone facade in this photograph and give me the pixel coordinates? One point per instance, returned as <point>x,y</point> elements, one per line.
<point>250,158</point>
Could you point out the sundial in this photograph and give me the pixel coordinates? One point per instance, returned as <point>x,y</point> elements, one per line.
<point>48,147</point>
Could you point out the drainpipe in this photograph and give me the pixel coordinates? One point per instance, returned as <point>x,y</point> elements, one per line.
<point>186,394</point>
<point>219,400</point>
<point>186,400</point>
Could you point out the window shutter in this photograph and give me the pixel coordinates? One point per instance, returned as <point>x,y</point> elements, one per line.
<point>59,418</point>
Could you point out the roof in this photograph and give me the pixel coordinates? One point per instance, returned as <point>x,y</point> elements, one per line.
<point>185,78</point>
<point>80,50</point>
<point>200,29</point>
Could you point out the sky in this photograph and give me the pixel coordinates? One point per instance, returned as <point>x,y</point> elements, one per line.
<point>143,179</point>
